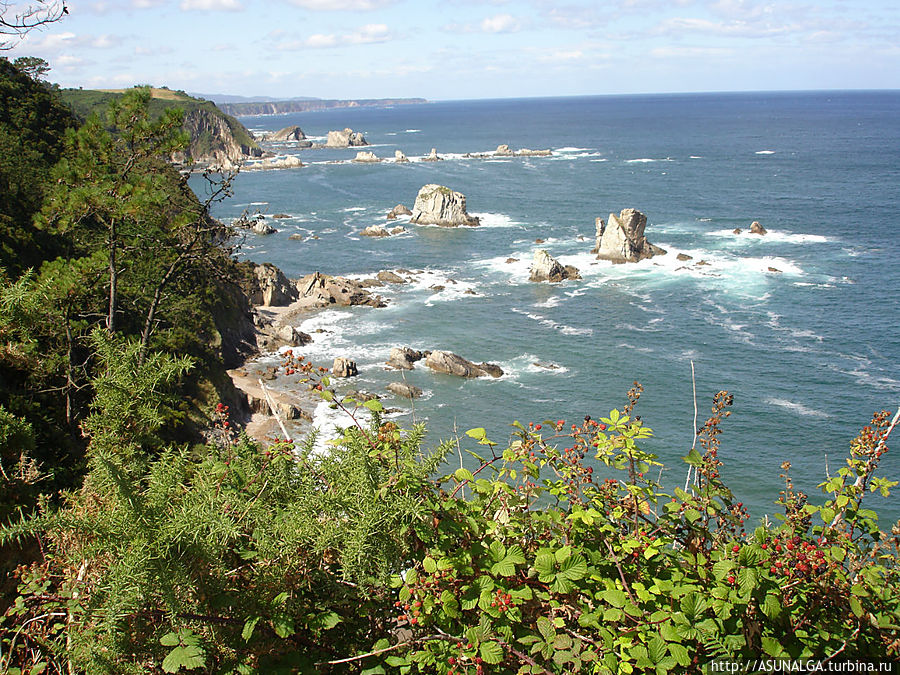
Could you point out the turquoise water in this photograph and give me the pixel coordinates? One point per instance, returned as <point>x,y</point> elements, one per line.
<point>809,352</point>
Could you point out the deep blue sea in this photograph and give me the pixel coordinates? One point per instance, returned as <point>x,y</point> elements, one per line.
<point>809,352</point>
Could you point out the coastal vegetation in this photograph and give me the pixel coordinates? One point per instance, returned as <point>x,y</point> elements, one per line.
<point>147,533</point>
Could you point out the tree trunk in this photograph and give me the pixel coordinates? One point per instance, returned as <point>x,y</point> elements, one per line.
<point>113,279</point>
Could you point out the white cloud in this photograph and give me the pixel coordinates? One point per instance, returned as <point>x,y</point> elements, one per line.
<point>105,41</point>
<point>562,56</point>
<point>673,52</point>
<point>147,4</point>
<point>342,5</point>
<point>369,34</point>
<point>215,5</point>
<point>679,25</point>
<point>500,23</point>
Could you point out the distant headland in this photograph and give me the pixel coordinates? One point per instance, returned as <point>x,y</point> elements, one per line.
<point>267,107</point>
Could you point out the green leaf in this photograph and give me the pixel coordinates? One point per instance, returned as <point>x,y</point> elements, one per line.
<point>574,568</point>
<point>615,597</point>
<point>429,564</point>
<point>479,433</point>
<point>491,652</point>
<point>771,606</point>
<point>563,553</point>
<point>188,657</point>
<point>249,625</point>
<point>169,640</point>
<point>856,606</point>
<point>747,580</point>
<point>772,647</point>
<point>463,475</point>
<point>693,458</point>
<point>283,625</point>
<point>374,405</point>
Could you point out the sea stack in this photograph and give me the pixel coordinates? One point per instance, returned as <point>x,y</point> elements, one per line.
<point>622,238</point>
<point>439,205</point>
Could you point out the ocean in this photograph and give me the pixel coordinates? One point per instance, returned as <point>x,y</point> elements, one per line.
<point>809,351</point>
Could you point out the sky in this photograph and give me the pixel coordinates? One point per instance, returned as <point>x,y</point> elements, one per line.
<point>469,49</point>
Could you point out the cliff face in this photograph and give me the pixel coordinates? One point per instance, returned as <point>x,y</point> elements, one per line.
<point>218,139</point>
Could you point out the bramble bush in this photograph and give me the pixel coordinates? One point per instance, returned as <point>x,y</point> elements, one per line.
<point>234,558</point>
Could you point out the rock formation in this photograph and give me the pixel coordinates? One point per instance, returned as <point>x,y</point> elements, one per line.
<point>268,287</point>
<point>404,390</point>
<point>345,139</point>
<point>453,364</point>
<point>262,227</point>
<point>399,210</point>
<point>217,139</point>
<point>291,133</point>
<point>344,368</point>
<point>547,268</point>
<point>756,228</point>
<point>504,151</point>
<point>399,157</point>
<point>321,290</point>
<point>389,277</point>
<point>439,205</point>
<point>286,162</point>
<point>433,157</point>
<point>364,156</point>
<point>622,239</point>
<point>379,230</point>
<point>403,358</point>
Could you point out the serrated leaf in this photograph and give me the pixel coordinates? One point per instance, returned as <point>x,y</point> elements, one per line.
<point>429,564</point>
<point>563,553</point>
<point>491,652</point>
<point>771,646</point>
<point>747,580</point>
<point>169,640</point>
<point>771,606</point>
<point>187,657</point>
<point>283,625</point>
<point>463,475</point>
<point>574,568</point>
<point>722,568</point>
<point>680,653</point>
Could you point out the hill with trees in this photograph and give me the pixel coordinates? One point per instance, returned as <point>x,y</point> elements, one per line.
<point>141,531</point>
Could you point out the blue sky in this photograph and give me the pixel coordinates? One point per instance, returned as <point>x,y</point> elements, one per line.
<point>461,49</point>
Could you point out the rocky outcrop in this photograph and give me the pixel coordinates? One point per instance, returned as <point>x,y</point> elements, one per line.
<point>291,133</point>
<point>439,205</point>
<point>400,158</point>
<point>286,162</point>
<point>321,290</point>
<point>268,287</point>
<point>504,151</point>
<point>262,227</point>
<point>622,238</point>
<point>344,368</point>
<point>403,358</point>
<point>345,139</point>
<point>217,139</point>
<point>404,390</point>
<point>272,336</point>
<point>432,157</point>
<point>756,228</point>
<point>366,157</point>
<point>545,267</point>
<point>388,277</point>
<point>400,210</point>
<point>379,230</point>
<point>453,364</point>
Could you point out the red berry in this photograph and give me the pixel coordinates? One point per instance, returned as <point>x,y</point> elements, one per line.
<point>735,548</point>
<point>731,579</point>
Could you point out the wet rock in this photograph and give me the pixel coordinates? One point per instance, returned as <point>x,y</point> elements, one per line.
<point>756,228</point>
<point>403,358</point>
<point>622,239</point>
<point>545,267</point>
<point>439,205</point>
<point>453,364</point>
<point>389,277</point>
<point>404,390</point>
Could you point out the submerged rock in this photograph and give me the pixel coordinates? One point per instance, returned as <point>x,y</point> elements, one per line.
<point>404,390</point>
<point>439,205</point>
<point>379,230</point>
<point>622,238</point>
<point>547,268</point>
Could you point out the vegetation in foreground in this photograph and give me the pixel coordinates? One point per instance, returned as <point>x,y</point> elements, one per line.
<point>144,545</point>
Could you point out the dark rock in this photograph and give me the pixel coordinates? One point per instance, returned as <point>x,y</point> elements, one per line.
<point>453,364</point>
<point>683,257</point>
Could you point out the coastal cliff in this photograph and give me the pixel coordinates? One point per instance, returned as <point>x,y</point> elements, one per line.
<point>217,139</point>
